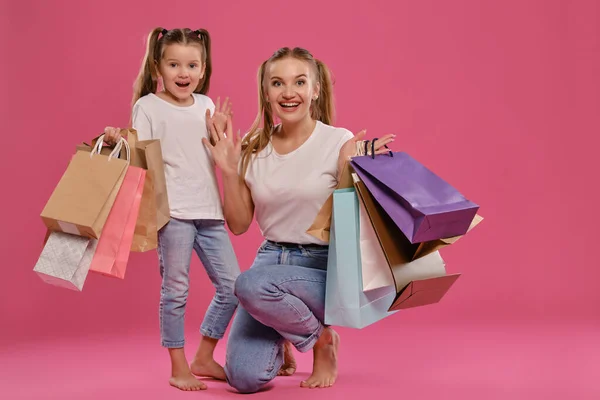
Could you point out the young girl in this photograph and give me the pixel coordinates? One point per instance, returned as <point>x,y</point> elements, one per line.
<point>177,116</point>
<point>283,174</point>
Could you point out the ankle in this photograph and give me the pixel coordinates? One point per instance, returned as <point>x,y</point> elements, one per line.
<point>179,364</point>
<point>325,338</point>
<point>178,369</point>
<point>206,349</point>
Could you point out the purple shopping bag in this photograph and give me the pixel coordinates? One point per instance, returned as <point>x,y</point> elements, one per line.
<point>421,204</point>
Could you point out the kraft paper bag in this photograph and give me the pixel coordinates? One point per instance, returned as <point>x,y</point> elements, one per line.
<point>82,200</point>
<point>154,209</point>
<point>321,225</point>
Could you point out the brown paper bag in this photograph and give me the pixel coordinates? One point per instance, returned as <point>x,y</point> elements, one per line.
<point>148,155</point>
<point>322,223</point>
<point>82,200</point>
<point>154,208</point>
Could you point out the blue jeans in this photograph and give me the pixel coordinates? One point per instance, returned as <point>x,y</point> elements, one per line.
<point>282,297</point>
<point>210,240</point>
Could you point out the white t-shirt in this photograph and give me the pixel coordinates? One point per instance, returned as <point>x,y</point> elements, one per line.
<point>192,186</point>
<point>289,190</point>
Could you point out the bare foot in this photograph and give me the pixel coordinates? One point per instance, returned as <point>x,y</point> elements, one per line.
<point>181,377</point>
<point>209,369</point>
<point>187,382</point>
<point>289,362</point>
<point>324,361</point>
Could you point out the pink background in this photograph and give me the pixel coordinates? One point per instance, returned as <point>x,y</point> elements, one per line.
<point>499,98</point>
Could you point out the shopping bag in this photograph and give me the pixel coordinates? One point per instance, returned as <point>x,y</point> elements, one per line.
<point>154,208</point>
<point>112,252</point>
<point>82,200</point>
<point>154,212</point>
<point>346,302</point>
<point>427,271</point>
<point>384,227</point>
<point>421,204</point>
<point>320,227</point>
<point>376,272</point>
<point>65,260</point>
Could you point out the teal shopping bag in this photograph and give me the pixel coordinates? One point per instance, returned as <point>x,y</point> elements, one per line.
<point>346,304</point>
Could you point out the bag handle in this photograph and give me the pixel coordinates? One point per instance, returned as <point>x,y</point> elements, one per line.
<point>113,154</point>
<point>373,148</point>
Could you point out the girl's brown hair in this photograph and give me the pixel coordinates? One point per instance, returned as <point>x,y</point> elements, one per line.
<point>158,39</point>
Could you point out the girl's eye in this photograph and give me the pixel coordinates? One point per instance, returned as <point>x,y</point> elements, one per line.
<point>173,65</point>
<point>192,66</point>
<point>276,83</point>
<point>301,82</point>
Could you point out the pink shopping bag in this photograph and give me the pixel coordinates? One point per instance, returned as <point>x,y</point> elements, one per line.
<point>112,252</point>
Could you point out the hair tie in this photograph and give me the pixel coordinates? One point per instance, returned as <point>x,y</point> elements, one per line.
<point>373,149</point>
<point>164,32</point>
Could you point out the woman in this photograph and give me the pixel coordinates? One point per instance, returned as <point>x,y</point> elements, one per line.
<point>283,173</point>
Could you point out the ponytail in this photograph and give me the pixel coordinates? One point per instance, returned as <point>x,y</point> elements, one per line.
<point>258,138</point>
<point>146,81</point>
<point>204,83</point>
<point>324,107</point>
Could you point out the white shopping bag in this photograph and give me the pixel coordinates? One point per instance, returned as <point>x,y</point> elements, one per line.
<point>65,260</point>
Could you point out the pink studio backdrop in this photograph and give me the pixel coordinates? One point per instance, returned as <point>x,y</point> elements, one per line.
<point>500,99</point>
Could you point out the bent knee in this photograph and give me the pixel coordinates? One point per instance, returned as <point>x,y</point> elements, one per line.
<point>245,286</point>
<point>244,381</point>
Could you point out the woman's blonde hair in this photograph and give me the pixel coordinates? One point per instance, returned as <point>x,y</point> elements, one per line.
<point>321,109</point>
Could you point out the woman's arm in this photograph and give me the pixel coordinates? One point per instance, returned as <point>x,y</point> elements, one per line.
<point>237,200</point>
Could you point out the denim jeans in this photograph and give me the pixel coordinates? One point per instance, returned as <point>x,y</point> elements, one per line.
<point>282,297</point>
<point>210,240</point>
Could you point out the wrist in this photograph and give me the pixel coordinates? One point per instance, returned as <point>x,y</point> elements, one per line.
<point>229,173</point>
